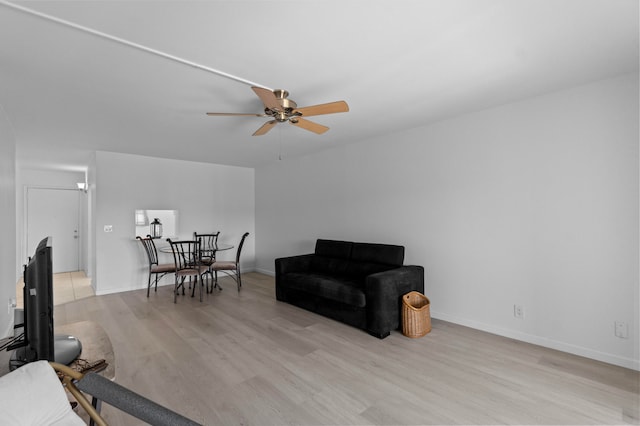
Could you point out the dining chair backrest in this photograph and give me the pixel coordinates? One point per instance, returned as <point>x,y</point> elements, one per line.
<point>186,254</point>
<point>150,248</point>
<point>208,243</point>
<point>246,234</point>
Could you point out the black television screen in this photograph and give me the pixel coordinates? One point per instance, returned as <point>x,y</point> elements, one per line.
<point>39,342</point>
<point>38,304</point>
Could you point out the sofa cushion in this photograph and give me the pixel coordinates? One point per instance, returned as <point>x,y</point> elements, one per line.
<point>327,287</point>
<point>378,253</point>
<point>331,257</point>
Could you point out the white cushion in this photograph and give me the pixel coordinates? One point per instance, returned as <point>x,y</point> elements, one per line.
<point>33,395</point>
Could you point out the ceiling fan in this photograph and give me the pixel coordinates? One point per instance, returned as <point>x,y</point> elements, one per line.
<point>278,106</point>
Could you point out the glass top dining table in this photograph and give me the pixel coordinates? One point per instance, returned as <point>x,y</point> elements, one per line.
<point>218,247</point>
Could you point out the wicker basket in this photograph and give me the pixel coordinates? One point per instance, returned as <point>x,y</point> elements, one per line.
<point>416,317</point>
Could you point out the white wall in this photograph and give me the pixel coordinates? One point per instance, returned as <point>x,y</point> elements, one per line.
<point>208,198</point>
<point>533,203</point>
<point>8,275</point>
<point>90,257</point>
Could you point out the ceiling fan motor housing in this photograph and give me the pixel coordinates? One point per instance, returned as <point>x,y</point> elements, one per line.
<point>281,115</point>
<point>281,96</point>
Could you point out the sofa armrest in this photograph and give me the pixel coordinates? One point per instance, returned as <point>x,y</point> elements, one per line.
<point>300,263</point>
<point>384,291</point>
<point>136,405</point>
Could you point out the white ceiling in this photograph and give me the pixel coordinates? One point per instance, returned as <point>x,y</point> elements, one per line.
<point>398,64</point>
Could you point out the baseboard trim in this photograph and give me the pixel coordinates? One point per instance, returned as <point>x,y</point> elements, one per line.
<point>630,363</point>
<point>164,281</point>
<point>123,289</point>
<point>265,272</point>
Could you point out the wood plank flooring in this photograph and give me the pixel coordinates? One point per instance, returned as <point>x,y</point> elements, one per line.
<point>246,359</point>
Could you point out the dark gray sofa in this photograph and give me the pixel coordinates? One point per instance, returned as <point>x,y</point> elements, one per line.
<point>360,284</point>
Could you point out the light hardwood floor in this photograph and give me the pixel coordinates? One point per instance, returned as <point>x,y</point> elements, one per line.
<point>246,359</point>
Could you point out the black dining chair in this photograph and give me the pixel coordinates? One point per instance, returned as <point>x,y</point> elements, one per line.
<point>208,244</point>
<point>186,255</point>
<point>159,270</point>
<point>230,268</point>
<point>208,248</point>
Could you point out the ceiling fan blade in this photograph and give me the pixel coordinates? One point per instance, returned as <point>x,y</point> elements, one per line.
<point>267,97</point>
<point>265,128</point>
<point>330,108</point>
<point>309,125</point>
<point>235,114</point>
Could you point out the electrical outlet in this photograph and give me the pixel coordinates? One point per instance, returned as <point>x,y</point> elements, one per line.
<point>12,304</point>
<point>108,228</point>
<point>621,329</point>
<point>518,311</point>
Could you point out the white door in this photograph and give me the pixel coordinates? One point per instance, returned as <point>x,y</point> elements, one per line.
<point>55,213</point>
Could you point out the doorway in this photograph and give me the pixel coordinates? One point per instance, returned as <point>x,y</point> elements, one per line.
<point>55,212</point>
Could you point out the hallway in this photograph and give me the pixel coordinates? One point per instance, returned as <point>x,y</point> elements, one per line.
<point>67,287</point>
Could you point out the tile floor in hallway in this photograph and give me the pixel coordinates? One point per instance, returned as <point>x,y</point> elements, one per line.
<point>67,287</point>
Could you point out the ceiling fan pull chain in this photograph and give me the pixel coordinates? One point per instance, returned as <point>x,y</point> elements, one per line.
<point>280,144</point>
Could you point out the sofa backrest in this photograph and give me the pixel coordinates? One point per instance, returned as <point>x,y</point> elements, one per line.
<point>331,257</point>
<point>333,248</point>
<point>355,260</point>
<point>378,253</point>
